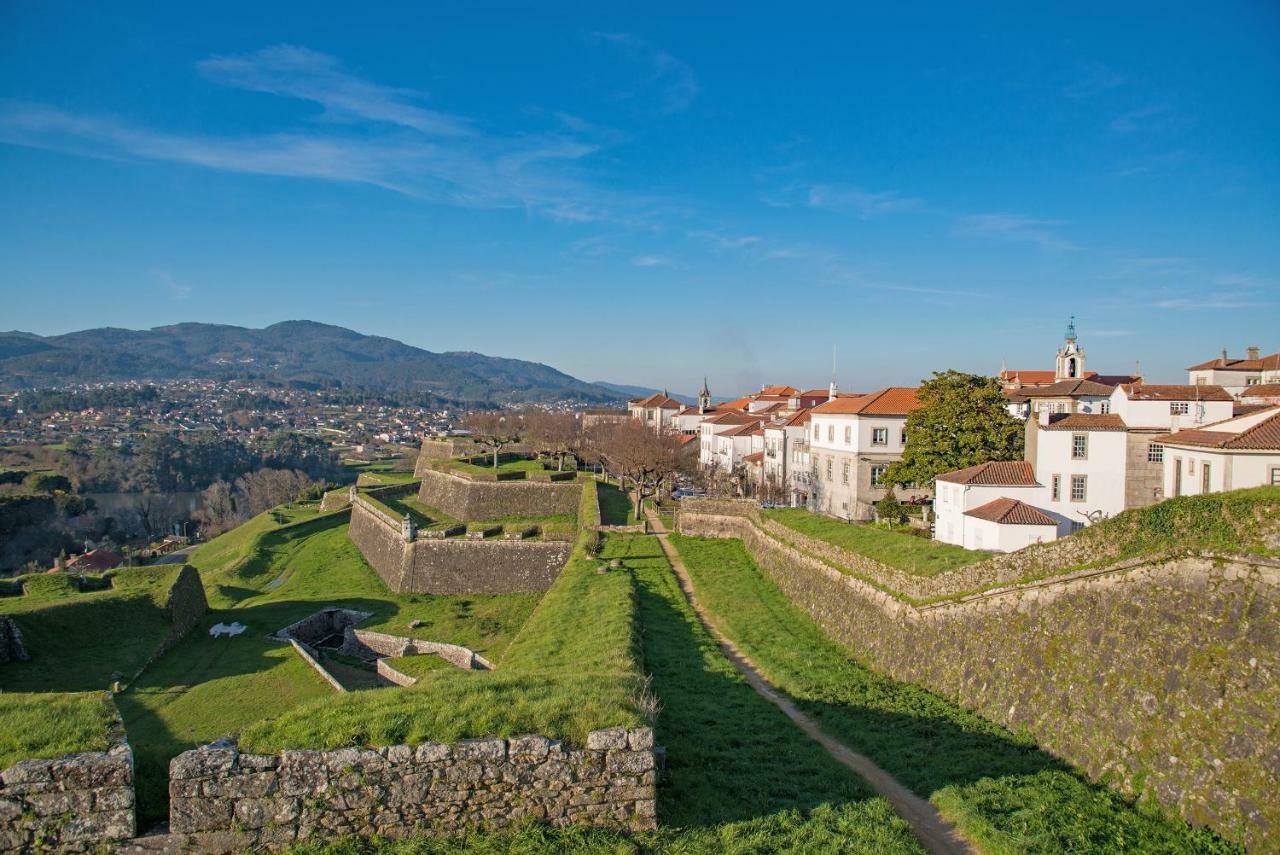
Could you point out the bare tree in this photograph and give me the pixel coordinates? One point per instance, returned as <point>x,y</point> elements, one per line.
<point>218,511</point>
<point>556,434</point>
<point>496,430</point>
<point>646,458</point>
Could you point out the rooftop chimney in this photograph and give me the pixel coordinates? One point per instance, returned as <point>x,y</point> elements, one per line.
<point>1253,352</point>
<point>1223,361</point>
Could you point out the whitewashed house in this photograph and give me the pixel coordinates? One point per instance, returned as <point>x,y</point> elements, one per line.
<point>1237,375</point>
<point>785,466</point>
<point>656,411</point>
<point>1240,452</point>
<point>994,506</point>
<point>712,427</point>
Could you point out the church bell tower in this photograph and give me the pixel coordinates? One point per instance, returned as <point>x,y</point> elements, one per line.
<point>1070,363</point>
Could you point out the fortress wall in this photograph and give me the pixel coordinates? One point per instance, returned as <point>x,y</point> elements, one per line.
<point>1161,678</point>
<point>468,500</point>
<point>221,800</point>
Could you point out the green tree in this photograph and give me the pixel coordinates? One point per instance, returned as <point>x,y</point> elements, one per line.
<point>963,422</point>
<point>48,482</point>
<point>890,509</point>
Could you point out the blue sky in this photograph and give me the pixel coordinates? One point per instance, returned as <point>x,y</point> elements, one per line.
<point>648,195</point>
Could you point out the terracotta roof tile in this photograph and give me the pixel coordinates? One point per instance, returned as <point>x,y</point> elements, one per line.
<point>1262,390</point>
<point>1153,392</point>
<point>753,457</point>
<point>1086,421</point>
<point>1066,389</point>
<point>994,473</point>
<point>893,401</point>
<point>1011,512</point>
<point>1262,436</point>
<point>1270,362</point>
<point>1038,377</point>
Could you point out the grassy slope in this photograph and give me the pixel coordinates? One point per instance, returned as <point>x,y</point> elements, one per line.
<point>569,670</point>
<point>615,505</point>
<point>895,548</point>
<point>77,641</point>
<point>51,725</point>
<point>1005,793</point>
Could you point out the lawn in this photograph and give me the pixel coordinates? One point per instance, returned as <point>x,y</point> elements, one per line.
<point>1000,789</point>
<point>557,525</point>
<point>918,555</point>
<point>85,641</point>
<point>47,725</point>
<point>616,507</point>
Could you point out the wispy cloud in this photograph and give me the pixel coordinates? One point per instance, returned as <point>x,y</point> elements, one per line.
<point>373,134</point>
<point>1127,123</point>
<point>1012,227</point>
<point>176,291</point>
<point>1145,266</point>
<point>650,261</point>
<point>1092,79</point>
<point>864,204</point>
<point>298,72</point>
<point>1211,302</point>
<point>672,79</point>
<point>1109,333</point>
<point>720,240</point>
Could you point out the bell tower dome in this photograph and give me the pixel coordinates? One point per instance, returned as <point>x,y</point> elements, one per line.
<point>1070,362</point>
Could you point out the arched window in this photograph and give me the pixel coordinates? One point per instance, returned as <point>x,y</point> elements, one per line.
<point>1071,367</point>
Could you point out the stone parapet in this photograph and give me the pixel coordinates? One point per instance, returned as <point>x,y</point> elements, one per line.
<point>223,800</point>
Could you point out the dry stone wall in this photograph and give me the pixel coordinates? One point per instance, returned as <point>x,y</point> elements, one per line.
<point>465,499</point>
<point>222,800</point>
<point>368,644</point>
<point>1160,678</point>
<point>453,566</point>
<point>77,803</point>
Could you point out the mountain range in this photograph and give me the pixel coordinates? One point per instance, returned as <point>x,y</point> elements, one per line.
<point>292,351</point>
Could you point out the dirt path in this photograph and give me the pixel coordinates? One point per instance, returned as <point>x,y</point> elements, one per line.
<point>934,833</point>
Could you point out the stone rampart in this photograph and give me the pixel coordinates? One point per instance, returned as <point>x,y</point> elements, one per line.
<point>454,566</point>
<point>368,644</point>
<point>77,803</point>
<point>443,449</point>
<point>222,800</point>
<point>11,647</point>
<point>466,499</point>
<point>1160,677</point>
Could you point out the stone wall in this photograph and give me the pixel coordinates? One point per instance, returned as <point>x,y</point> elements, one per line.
<point>442,449</point>
<point>368,644</point>
<point>465,499</point>
<point>11,647</point>
<point>1159,677</point>
<point>454,566</point>
<point>76,803</point>
<point>222,800</point>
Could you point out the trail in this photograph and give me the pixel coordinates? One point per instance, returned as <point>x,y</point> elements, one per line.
<point>934,833</point>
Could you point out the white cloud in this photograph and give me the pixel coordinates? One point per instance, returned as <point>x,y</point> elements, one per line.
<point>1012,227</point>
<point>671,79</point>
<point>863,203</point>
<point>650,261</point>
<point>1127,123</point>
<point>1205,303</point>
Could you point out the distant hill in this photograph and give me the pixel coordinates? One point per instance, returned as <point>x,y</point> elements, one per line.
<point>292,351</point>
<point>643,392</point>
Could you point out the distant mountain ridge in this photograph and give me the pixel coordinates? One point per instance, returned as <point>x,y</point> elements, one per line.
<point>631,392</point>
<point>297,351</point>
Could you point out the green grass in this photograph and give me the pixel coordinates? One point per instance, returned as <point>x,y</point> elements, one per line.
<point>569,670</point>
<point>616,507</point>
<point>49,725</point>
<point>1001,790</point>
<point>556,525</point>
<point>84,641</point>
<point>225,550</point>
<point>418,666</point>
<point>898,549</point>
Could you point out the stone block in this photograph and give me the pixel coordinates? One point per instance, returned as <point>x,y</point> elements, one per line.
<point>629,762</point>
<point>608,739</point>
<point>484,750</point>
<point>187,816</point>
<point>256,813</point>
<point>528,746</point>
<point>26,772</point>
<point>398,754</point>
<point>432,752</point>
<point>640,739</point>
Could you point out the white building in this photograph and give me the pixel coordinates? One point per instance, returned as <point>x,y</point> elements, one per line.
<point>711,428</point>
<point>1237,375</point>
<point>994,506</point>
<point>656,411</point>
<point>852,441</point>
<point>1231,455</point>
<point>786,466</point>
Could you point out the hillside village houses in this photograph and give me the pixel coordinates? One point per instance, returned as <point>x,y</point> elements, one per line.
<point>1096,445</point>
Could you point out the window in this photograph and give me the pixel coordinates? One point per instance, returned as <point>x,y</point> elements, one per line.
<point>879,436</point>
<point>1104,407</point>
<point>844,473</point>
<point>1179,408</point>
<point>831,433</point>
<point>1079,488</point>
<point>1080,446</point>
<point>1204,477</point>
<point>848,435</point>
<point>828,468</point>
<point>904,436</point>
<point>1155,453</point>
<point>877,475</point>
<point>1057,487</point>
<point>1076,526</point>
<point>816,435</point>
<point>1275,475</point>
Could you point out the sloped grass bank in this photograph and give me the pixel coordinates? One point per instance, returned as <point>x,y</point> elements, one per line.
<point>47,725</point>
<point>899,549</point>
<point>999,788</point>
<point>570,669</point>
<point>82,641</point>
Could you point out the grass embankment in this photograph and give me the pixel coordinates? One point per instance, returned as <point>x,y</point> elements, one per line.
<point>899,549</point>
<point>1000,789</point>
<point>48,725</point>
<point>616,507</point>
<point>481,466</point>
<point>741,777</point>
<point>206,688</point>
<point>83,641</point>
<point>570,669</point>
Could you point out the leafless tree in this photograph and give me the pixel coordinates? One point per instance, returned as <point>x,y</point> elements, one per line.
<point>217,511</point>
<point>557,434</point>
<point>496,430</point>
<point>645,458</point>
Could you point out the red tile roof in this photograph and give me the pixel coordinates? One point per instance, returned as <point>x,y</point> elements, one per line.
<point>657,399</point>
<point>753,457</point>
<point>1038,378</point>
<point>1271,362</point>
<point>1086,421</point>
<point>731,418</point>
<point>994,473</point>
<point>1153,392</point>
<point>1066,389</point>
<point>1263,436</point>
<point>96,560</point>
<point>1262,390</point>
<point>893,401</point>
<point>1011,512</point>
<point>778,390</point>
